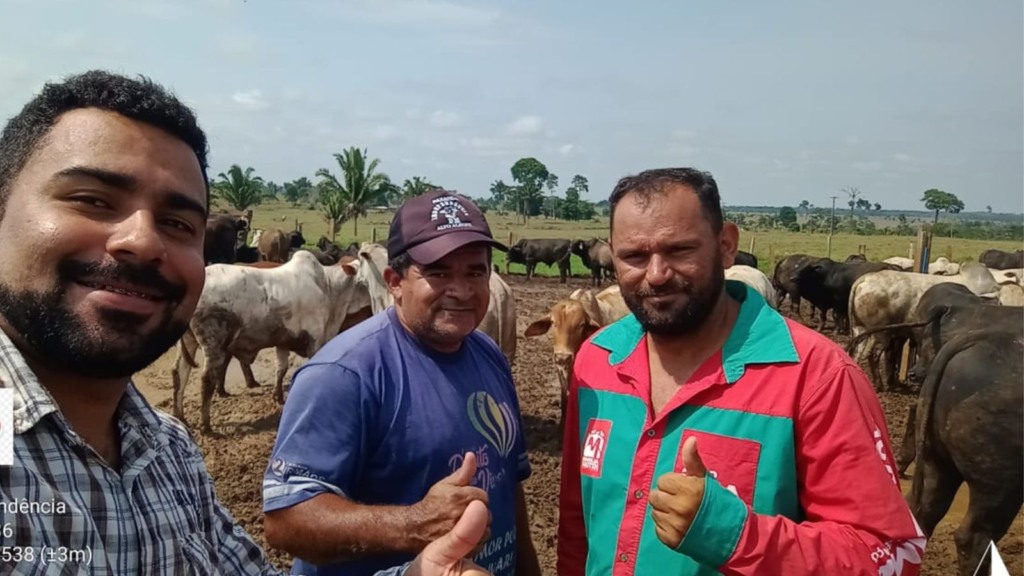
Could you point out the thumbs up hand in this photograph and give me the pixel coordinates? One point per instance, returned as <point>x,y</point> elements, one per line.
<point>677,498</point>
<point>436,514</point>
<point>445,556</point>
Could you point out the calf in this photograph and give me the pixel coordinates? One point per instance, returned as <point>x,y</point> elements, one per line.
<point>295,307</point>
<point>970,427</point>
<point>531,252</point>
<point>596,255</point>
<point>572,321</point>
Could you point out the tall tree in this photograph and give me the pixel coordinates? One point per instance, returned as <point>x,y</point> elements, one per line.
<point>552,184</point>
<point>361,186</point>
<point>531,175</point>
<point>853,193</point>
<point>240,188</point>
<point>941,201</point>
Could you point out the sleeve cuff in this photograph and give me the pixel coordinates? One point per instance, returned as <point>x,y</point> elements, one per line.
<point>716,529</point>
<point>394,571</point>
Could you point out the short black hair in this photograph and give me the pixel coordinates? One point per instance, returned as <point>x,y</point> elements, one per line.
<point>139,99</point>
<point>656,181</point>
<point>400,264</point>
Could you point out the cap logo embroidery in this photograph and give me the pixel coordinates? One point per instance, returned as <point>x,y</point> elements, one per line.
<point>450,208</point>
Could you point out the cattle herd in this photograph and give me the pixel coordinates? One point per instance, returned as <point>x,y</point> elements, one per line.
<point>964,324</point>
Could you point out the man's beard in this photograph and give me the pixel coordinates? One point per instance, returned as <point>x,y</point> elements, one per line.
<point>113,347</point>
<point>680,317</point>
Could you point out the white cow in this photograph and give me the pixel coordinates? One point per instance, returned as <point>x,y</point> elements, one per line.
<point>1009,276</point>
<point>499,321</point>
<point>296,307</point>
<point>755,279</point>
<point>890,297</point>
<point>904,263</point>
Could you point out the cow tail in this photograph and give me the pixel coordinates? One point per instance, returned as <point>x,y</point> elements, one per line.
<point>856,340</point>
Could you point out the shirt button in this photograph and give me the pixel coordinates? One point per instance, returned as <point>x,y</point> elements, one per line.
<point>650,433</point>
<point>623,557</point>
<point>638,494</point>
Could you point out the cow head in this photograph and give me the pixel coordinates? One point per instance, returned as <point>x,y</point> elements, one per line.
<point>515,254</point>
<point>571,324</point>
<point>296,239</point>
<point>579,247</point>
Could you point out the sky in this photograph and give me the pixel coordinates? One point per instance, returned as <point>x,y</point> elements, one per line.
<point>780,101</point>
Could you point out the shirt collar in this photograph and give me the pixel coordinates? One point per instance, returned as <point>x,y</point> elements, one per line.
<point>32,402</point>
<point>760,335</point>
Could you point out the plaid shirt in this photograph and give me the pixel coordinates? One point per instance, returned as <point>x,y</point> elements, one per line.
<point>158,516</point>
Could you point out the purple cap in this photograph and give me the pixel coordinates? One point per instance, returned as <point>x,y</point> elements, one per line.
<point>432,225</point>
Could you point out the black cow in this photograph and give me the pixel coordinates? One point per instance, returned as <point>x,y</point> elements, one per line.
<point>247,254</point>
<point>826,284</point>
<point>745,259</point>
<point>1001,260</point>
<point>534,251</point>
<point>596,255</point>
<point>970,428</point>
<point>222,231</point>
<point>856,258</point>
<point>783,280</point>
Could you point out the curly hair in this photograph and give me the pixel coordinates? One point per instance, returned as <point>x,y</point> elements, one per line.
<point>139,99</point>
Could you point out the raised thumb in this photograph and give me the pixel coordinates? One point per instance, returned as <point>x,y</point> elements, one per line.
<point>437,558</point>
<point>692,464</point>
<point>464,475</point>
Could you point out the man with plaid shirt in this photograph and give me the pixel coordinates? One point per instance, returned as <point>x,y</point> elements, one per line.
<point>103,205</point>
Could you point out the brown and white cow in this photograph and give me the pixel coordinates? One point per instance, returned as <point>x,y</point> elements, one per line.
<point>571,322</point>
<point>499,322</point>
<point>295,307</point>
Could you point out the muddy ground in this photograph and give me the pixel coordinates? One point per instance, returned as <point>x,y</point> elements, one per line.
<point>245,424</point>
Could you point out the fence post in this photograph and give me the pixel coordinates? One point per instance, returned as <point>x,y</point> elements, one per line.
<point>752,239</point>
<point>373,235</point>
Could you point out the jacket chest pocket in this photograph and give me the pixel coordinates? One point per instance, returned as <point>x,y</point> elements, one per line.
<point>731,461</point>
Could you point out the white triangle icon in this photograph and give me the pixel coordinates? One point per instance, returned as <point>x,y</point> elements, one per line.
<point>998,567</point>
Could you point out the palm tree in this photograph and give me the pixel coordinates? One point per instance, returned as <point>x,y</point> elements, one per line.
<point>240,188</point>
<point>361,187</point>
<point>415,187</point>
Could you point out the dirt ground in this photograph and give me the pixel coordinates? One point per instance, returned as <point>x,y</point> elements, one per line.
<point>245,425</point>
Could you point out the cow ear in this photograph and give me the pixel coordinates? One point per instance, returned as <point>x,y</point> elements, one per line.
<point>538,327</point>
<point>350,268</point>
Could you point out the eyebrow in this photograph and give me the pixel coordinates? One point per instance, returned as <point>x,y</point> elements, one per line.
<point>174,200</point>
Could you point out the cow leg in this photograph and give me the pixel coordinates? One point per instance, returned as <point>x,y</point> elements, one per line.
<point>214,371</point>
<point>932,492</point>
<point>990,513</point>
<point>530,265</point>
<point>182,371</point>
<point>905,456</point>
<point>794,302</point>
<point>282,367</point>
<point>250,379</point>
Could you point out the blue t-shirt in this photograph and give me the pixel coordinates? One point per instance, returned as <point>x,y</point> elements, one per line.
<point>378,418</point>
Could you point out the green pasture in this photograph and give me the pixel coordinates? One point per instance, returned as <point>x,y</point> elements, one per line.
<point>768,246</point>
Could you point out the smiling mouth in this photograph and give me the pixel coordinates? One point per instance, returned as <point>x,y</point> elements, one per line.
<point>122,290</point>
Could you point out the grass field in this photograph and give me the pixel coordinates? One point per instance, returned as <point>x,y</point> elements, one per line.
<point>769,247</point>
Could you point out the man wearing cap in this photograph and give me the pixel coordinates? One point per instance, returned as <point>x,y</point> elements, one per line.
<point>396,425</point>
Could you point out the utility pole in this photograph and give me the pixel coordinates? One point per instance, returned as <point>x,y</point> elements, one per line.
<point>831,226</point>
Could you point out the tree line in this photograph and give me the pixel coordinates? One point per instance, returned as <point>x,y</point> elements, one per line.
<point>358,184</point>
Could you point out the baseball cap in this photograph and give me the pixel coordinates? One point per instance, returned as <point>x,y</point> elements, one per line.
<point>432,225</point>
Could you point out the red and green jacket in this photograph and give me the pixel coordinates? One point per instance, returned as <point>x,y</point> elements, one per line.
<point>800,470</point>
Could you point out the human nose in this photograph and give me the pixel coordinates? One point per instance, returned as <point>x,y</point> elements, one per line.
<point>658,271</point>
<point>136,237</point>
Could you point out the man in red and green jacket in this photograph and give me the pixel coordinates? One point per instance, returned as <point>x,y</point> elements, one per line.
<point>789,470</point>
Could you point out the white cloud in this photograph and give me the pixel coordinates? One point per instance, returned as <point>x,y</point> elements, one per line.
<point>902,157</point>
<point>251,100</point>
<point>525,126</point>
<point>445,119</point>
<point>568,149</point>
